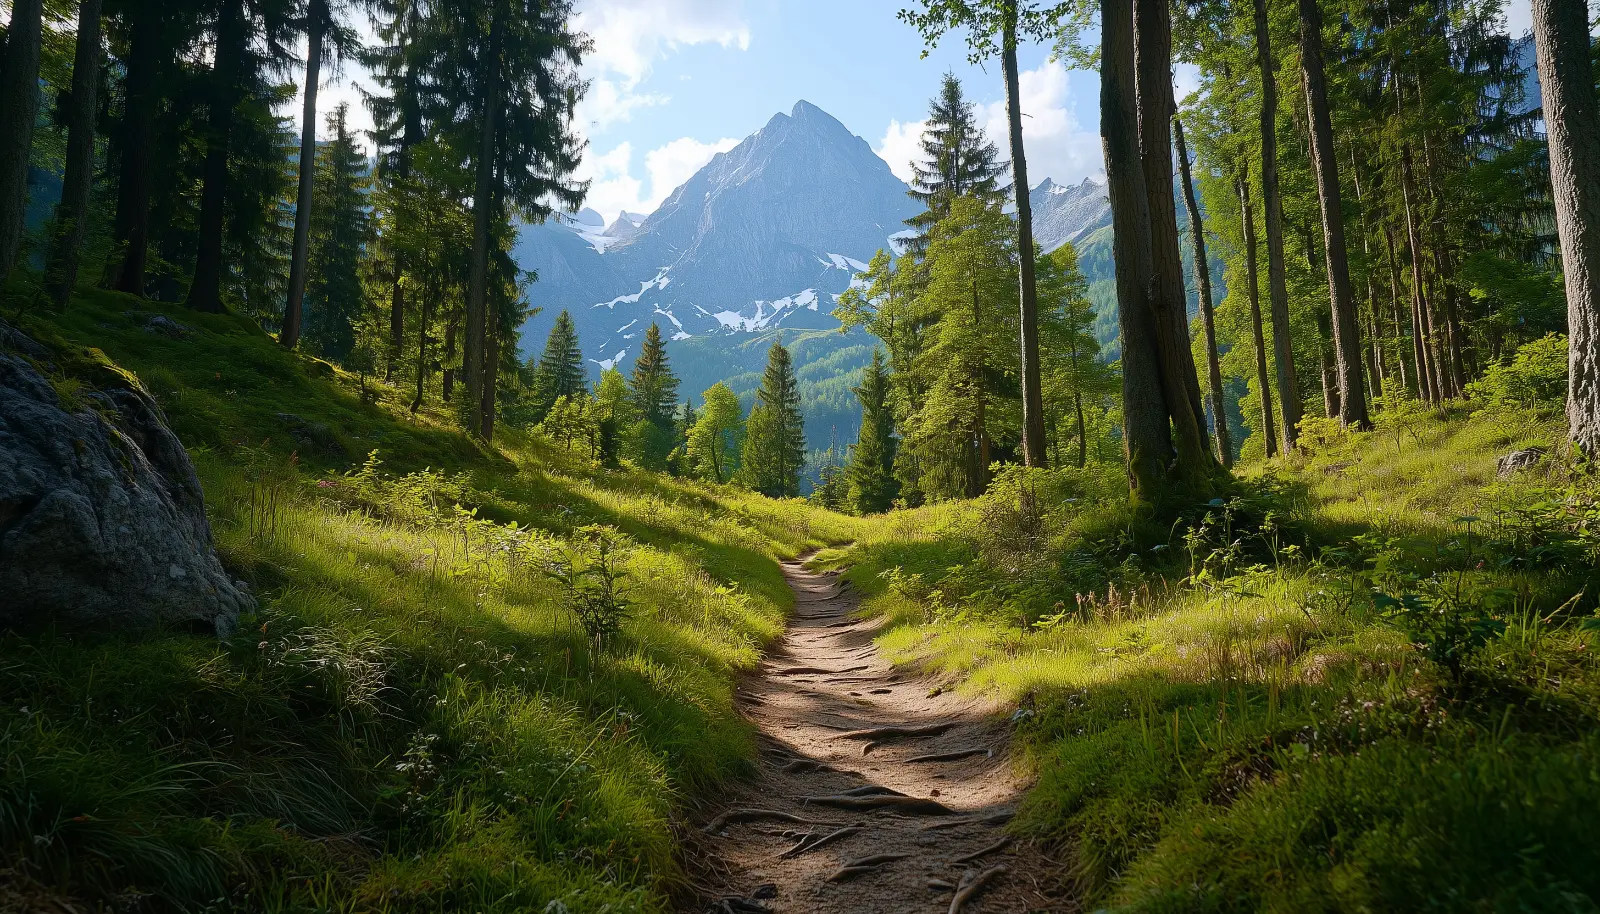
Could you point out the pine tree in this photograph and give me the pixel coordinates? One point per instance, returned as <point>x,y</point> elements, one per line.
<point>653,396</point>
<point>560,372</point>
<point>775,440</point>
<point>653,388</point>
<point>339,231</point>
<point>872,485</point>
<point>958,160</point>
<point>19,108</point>
<point>714,441</point>
<point>505,79</point>
<point>72,214</point>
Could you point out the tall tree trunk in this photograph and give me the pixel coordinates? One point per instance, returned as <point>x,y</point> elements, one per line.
<point>1269,435</point>
<point>1202,274</point>
<point>138,135</point>
<point>1330,373</point>
<point>205,290</point>
<point>1419,301</point>
<point>316,22</point>
<point>72,215</point>
<point>410,136</point>
<point>1147,438</point>
<point>1378,367</point>
<point>1152,26</point>
<point>483,197</point>
<point>422,351</point>
<point>19,108</point>
<point>448,382</point>
<point>1272,204</point>
<point>1083,440</point>
<point>1417,383</point>
<point>491,378</point>
<point>1324,160</point>
<point>1033,447</point>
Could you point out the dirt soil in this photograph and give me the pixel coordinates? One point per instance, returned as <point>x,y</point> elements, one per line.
<point>876,793</point>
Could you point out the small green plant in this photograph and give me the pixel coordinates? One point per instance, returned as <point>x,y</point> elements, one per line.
<point>1446,627</point>
<point>589,570</point>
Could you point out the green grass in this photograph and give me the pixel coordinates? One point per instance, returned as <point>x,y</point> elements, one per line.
<point>1225,714</point>
<point>412,721</point>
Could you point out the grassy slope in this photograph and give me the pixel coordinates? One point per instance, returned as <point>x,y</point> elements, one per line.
<point>412,720</point>
<point>1239,727</point>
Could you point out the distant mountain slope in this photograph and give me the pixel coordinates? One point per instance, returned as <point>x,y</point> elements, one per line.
<point>765,236</point>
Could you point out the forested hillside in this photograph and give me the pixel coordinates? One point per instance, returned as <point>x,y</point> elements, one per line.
<point>1221,535</point>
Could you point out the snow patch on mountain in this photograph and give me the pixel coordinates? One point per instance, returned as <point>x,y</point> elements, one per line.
<point>659,282</point>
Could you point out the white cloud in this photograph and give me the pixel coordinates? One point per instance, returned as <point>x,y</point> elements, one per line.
<point>1057,144</point>
<point>609,102</point>
<point>629,34</point>
<point>615,188</point>
<point>899,147</point>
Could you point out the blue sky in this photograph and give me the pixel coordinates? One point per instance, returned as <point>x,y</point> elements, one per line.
<point>675,81</point>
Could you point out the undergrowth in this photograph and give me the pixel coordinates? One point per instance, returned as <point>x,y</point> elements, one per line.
<point>441,703</point>
<point>1366,679</point>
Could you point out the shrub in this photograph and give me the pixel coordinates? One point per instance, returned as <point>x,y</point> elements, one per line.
<point>1536,376</point>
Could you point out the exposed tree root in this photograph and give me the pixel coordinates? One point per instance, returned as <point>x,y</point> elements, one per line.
<point>814,671</point>
<point>804,764</point>
<point>855,868</point>
<point>886,733</point>
<point>916,806</point>
<point>993,818</point>
<point>982,851</point>
<point>814,841</point>
<point>750,815</point>
<point>955,756</point>
<point>870,790</point>
<point>971,885</point>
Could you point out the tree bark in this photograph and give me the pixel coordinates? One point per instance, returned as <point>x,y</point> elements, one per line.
<point>483,197</point>
<point>1033,438</point>
<point>316,21</point>
<point>1324,160</point>
<point>1378,367</point>
<point>1272,204</point>
<point>19,108</point>
<point>410,136</point>
<point>72,215</point>
<point>205,290</point>
<point>1420,318</point>
<point>1146,439</point>
<point>1202,274</point>
<point>1152,25</point>
<point>1269,435</point>
<point>138,132</point>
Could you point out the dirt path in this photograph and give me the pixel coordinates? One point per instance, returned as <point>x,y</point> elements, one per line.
<point>834,721</point>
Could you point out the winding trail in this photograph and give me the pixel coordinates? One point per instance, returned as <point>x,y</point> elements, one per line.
<point>877,794</point>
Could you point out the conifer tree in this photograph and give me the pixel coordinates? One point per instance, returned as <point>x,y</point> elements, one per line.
<point>19,108</point>
<point>775,440</point>
<point>560,371</point>
<point>339,231</point>
<point>653,388</point>
<point>873,487</point>
<point>958,160</point>
<point>72,214</point>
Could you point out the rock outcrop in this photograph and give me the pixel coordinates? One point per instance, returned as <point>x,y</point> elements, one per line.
<point>102,519</point>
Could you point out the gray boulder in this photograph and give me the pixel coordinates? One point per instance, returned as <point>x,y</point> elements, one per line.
<point>102,519</point>
<point>1517,461</point>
